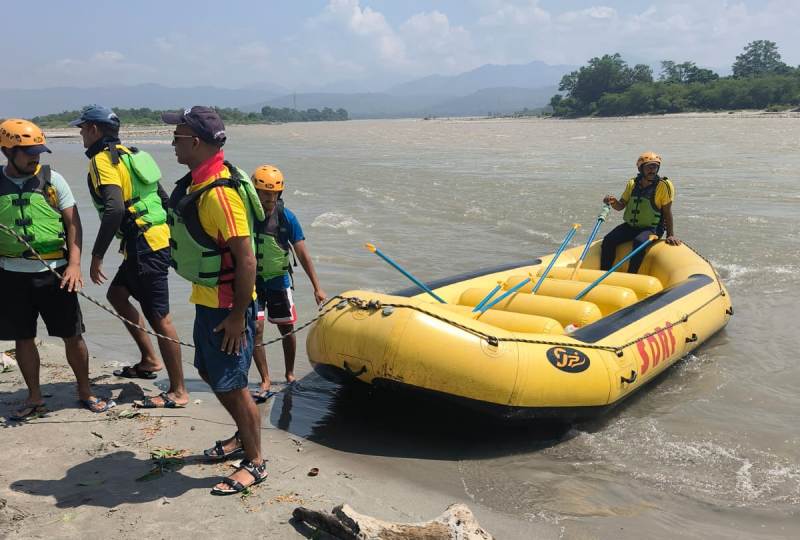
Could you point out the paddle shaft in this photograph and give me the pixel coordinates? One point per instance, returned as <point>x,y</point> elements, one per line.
<point>561,248</point>
<point>622,261</point>
<point>524,282</point>
<point>400,269</point>
<point>505,295</point>
<point>600,219</point>
<point>488,297</point>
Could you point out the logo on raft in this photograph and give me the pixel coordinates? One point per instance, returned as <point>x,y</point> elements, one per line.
<point>568,359</point>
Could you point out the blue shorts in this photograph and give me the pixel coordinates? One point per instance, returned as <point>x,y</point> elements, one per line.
<point>225,372</point>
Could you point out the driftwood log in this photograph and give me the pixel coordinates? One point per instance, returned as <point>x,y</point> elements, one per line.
<point>456,523</point>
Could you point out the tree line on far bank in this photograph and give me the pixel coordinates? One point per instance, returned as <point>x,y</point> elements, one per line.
<point>608,86</point>
<point>145,116</point>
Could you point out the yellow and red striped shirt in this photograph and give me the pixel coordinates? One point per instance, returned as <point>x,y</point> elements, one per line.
<point>223,215</point>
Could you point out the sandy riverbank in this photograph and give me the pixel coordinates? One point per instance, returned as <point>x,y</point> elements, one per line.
<point>74,474</point>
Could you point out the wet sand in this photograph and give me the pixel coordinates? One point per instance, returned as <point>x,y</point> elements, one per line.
<point>74,474</point>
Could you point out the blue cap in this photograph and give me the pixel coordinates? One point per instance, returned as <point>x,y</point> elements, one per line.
<point>96,114</point>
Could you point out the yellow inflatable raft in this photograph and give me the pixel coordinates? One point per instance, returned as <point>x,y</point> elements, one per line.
<point>517,360</point>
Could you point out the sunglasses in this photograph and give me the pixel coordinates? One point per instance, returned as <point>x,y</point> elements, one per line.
<point>176,136</point>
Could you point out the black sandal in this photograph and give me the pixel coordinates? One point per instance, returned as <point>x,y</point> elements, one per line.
<point>135,372</point>
<point>166,403</point>
<point>218,452</point>
<point>258,472</point>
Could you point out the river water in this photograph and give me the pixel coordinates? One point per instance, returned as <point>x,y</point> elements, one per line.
<point>711,450</point>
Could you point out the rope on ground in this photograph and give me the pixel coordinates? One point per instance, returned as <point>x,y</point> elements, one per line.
<point>111,311</point>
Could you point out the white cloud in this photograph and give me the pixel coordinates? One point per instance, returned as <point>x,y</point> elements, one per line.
<point>434,43</point>
<point>596,13</point>
<point>365,23</point>
<point>510,13</point>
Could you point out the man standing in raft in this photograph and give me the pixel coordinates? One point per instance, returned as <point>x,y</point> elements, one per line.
<point>275,236</point>
<point>211,213</point>
<point>647,201</point>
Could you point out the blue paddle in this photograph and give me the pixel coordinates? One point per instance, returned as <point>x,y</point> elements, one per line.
<point>596,282</point>
<point>525,281</point>
<point>600,219</point>
<point>488,297</point>
<point>400,269</point>
<point>561,248</point>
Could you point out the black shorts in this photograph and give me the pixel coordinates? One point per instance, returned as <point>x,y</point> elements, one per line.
<point>278,305</point>
<point>27,295</point>
<point>146,277</point>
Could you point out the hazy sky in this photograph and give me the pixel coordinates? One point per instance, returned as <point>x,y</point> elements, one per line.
<point>309,44</point>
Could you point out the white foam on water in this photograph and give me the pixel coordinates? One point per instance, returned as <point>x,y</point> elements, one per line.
<point>337,221</point>
<point>735,273</point>
<point>544,516</point>
<point>539,234</point>
<point>303,193</point>
<point>754,219</point>
<point>704,468</point>
<point>475,211</point>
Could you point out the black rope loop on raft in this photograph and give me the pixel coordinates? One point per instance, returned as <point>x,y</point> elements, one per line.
<point>111,311</point>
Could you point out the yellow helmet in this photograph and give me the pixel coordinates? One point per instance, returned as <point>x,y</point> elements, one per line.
<point>268,178</point>
<point>648,157</point>
<point>16,132</point>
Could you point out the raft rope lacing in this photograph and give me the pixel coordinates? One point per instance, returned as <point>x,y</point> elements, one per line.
<point>374,305</point>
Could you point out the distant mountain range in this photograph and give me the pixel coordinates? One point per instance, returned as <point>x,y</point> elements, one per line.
<point>383,105</point>
<point>487,89</point>
<point>532,75</point>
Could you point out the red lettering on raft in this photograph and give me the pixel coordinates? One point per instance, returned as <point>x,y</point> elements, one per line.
<point>658,346</point>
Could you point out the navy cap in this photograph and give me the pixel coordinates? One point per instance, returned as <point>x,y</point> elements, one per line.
<point>204,121</point>
<point>97,114</point>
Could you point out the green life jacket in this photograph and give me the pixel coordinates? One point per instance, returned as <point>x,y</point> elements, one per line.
<point>32,212</point>
<point>641,210</point>
<point>196,256</point>
<point>272,256</point>
<point>145,207</point>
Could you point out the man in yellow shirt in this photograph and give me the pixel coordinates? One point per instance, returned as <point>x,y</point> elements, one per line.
<point>210,219</point>
<point>647,201</point>
<point>124,186</point>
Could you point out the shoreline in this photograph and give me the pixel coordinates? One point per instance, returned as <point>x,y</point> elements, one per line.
<point>64,132</point>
